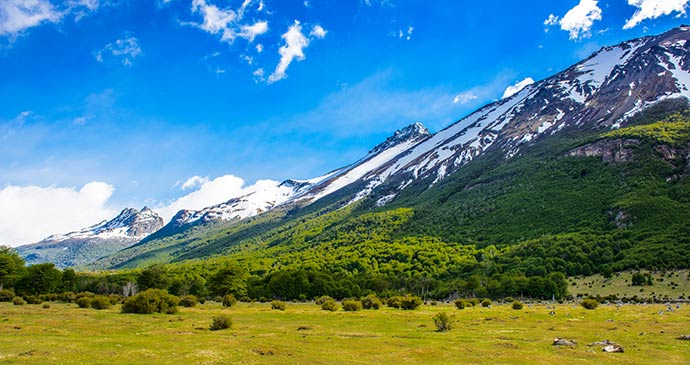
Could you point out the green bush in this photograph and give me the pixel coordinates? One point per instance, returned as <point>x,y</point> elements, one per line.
<point>67,297</point>
<point>46,305</point>
<point>371,301</point>
<point>486,303</point>
<point>188,301</point>
<point>33,299</point>
<point>517,305</point>
<point>407,302</point>
<point>100,302</point>
<point>443,322</point>
<point>322,299</point>
<point>18,301</point>
<point>229,300</point>
<point>589,303</point>
<point>473,302</point>
<point>83,302</point>
<point>151,301</point>
<point>461,304</point>
<point>352,305</point>
<point>330,305</point>
<point>277,304</point>
<point>6,295</point>
<point>220,323</point>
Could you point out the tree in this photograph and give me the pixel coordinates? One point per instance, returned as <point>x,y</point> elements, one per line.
<point>153,277</point>
<point>40,279</point>
<point>230,279</point>
<point>69,280</point>
<point>11,267</point>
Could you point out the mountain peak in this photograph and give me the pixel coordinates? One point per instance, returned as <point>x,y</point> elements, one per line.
<point>414,131</point>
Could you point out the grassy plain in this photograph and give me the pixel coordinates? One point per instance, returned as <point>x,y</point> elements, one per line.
<point>671,284</point>
<point>304,334</point>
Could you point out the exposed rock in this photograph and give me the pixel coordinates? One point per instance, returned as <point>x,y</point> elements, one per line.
<point>563,342</point>
<point>610,150</point>
<point>684,337</point>
<point>612,348</point>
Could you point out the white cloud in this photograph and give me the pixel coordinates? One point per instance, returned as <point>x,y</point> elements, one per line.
<point>209,193</point>
<point>406,34</point>
<point>19,15</point>
<point>259,48</point>
<point>193,182</point>
<point>30,213</point>
<point>250,32</point>
<point>577,21</point>
<point>652,9</point>
<point>124,50</point>
<point>464,97</point>
<point>295,43</point>
<point>318,32</point>
<point>513,89</point>
<point>226,22</point>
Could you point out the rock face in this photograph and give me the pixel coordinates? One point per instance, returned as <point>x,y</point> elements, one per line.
<point>616,150</point>
<point>89,244</point>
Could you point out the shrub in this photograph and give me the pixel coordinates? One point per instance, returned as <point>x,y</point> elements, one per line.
<point>408,302</point>
<point>486,303</point>
<point>322,299</point>
<point>461,304</point>
<point>443,321</point>
<point>100,302</point>
<point>32,299</point>
<point>6,295</point>
<point>589,303</point>
<point>473,302</point>
<point>330,305</point>
<point>220,323</point>
<point>188,301</point>
<point>67,297</point>
<point>352,305</point>
<point>517,305</point>
<point>46,305</point>
<point>18,301</point>
<point>277,304</point>
<point>151,301</point>
<point>371,301</point>
<point>229,300</point>
<point>83,302</point>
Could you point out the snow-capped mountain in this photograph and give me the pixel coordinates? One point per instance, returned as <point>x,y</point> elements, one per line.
<point>602,92</point>
<point>270,194</point>
<point>107,237</point>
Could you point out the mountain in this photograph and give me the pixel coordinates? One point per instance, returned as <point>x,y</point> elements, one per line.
<point>88,244</point>
<point>541,170</point>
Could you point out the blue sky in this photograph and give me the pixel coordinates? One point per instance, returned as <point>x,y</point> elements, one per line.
<point>114,103</point>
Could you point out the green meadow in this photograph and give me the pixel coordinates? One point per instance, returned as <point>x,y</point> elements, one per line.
<point>305,334</point>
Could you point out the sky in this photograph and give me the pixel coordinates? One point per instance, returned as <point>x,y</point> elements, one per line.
<point>107,104</point>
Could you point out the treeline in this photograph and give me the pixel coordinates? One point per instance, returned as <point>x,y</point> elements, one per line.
<point>299,284</point>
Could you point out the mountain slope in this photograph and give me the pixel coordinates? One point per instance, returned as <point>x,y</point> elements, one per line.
<point>512,174</point>
<point>102,239</point>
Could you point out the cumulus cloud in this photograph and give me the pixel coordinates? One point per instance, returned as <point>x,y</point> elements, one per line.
<point>123,50</point>
<point>193,182</point>
<point>295,43</point>
<point>577,21</point>
<point>464,97</point>
<point>30,213</point>
<point>318,32</point>
<point>228,23</point>
<point>19,15</point>
<point>652,9</point>
<point>210,192</point>
<point>513,89</point>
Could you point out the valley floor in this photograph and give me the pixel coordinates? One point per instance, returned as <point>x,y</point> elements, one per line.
<point>304,334</point>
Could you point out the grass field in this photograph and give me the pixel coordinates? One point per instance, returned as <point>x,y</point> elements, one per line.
<point>66,334</point>
<point>671,284</point>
